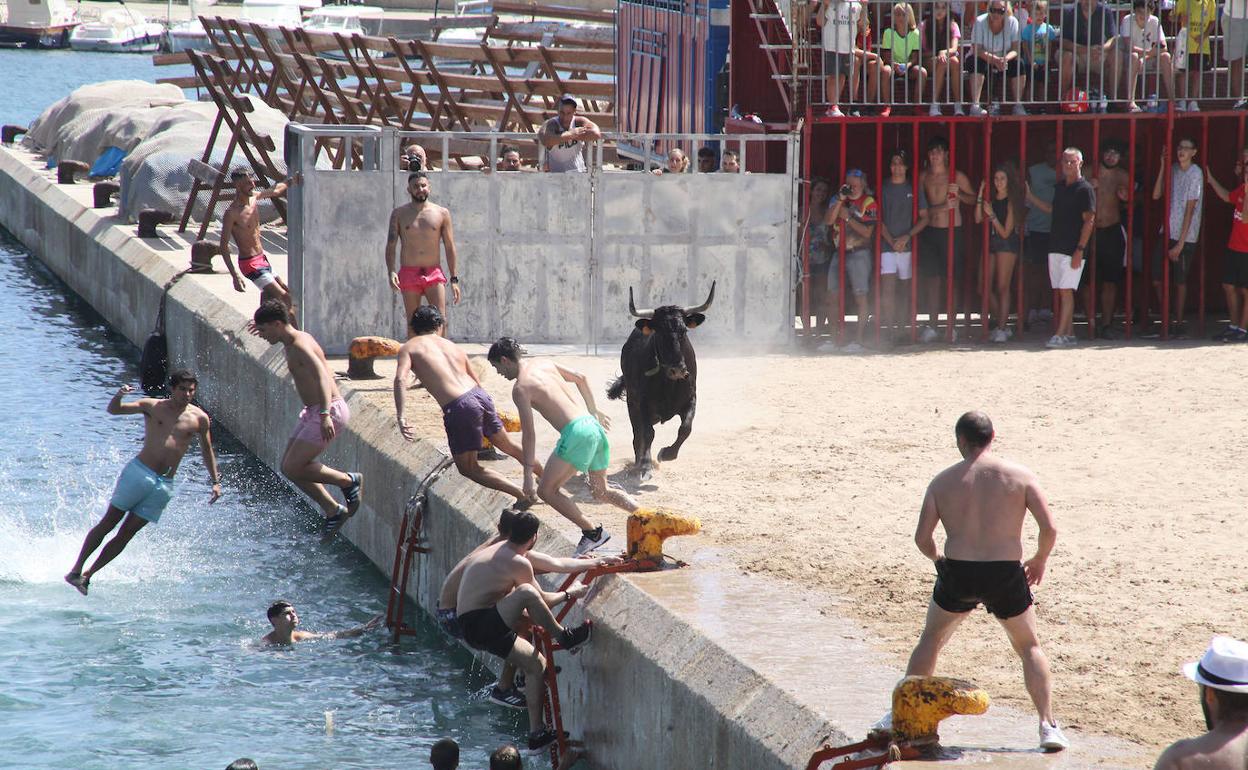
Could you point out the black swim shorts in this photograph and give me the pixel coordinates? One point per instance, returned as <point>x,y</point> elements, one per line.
<point>485,630</point>
<point>1001,586</point>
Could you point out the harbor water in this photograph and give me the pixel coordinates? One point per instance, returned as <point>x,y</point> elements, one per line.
<point>160,667</point>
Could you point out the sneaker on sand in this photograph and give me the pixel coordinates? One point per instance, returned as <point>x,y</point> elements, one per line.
<point>928,334</point>
<point>997,335</point>
<point>1051,738</point>
<point>591,542</point>
<point>1056,341</point>
<point>572,638</point>
<point>1226,335</point>
<point>512,699</point>
<point>1071,340</point>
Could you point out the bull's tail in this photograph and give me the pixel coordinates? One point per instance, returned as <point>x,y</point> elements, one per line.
<point>615,391</point>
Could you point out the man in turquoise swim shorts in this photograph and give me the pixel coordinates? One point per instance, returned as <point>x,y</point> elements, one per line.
<point>146,483</point>
<point>542,385</point>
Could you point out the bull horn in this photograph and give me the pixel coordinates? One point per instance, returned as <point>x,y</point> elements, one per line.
<point>633,310</point>
<point>702,308</point>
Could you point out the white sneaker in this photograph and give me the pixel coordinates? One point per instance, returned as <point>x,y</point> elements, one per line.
<point>834,112</point>
<point>1051,738</point>
<point>957,109</point>
<point>977,111</point>
<point>997,335</point>
<point>1180,106</point>
<point>884,723</point>
<point>1019,109</point>
<point>934,110</point>
<point>1056,341</point>
<point>852,348</point>
<point>827,347</point>
<point>1241,104</point>
<point>1008,332</point>
<point>1071,340</point>
<point>928,334</point>
<point>1192,106</point>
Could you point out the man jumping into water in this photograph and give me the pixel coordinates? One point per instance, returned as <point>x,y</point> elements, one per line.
<point>583,445</point>
<point>324,414</point>
<point>146,484</point>
<point>242,223</point>
<point>467,410</point>
<point>285,623</point>
<point>496,592</point>
<point>982,502</point>
<point>419,229</point>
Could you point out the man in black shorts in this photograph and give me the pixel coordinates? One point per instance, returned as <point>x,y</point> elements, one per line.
<point>982,503</point>
<point>495,593</point>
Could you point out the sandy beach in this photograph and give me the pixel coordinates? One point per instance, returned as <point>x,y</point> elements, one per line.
<point>812,469</point>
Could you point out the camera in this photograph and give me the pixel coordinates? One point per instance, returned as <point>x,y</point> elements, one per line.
<point>846,191</point>
<point>414,163</point>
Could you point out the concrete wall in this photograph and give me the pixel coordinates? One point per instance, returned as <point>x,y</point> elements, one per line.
<point>651,691</point>
<point>549,258</point>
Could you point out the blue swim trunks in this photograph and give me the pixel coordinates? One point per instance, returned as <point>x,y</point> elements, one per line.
<point>142,491</point>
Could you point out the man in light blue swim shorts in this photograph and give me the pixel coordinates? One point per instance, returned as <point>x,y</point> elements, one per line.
<point>541,385</point>
<point>146,483</point>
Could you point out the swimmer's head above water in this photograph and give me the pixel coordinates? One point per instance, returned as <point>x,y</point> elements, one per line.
<point>283,616</point>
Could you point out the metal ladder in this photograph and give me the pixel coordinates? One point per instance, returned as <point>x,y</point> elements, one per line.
<point>409,543</point>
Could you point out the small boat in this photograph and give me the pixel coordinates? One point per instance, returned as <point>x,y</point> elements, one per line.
<point>38,24</point>
<point>187,35</point>
<point>347,20</point>
<point>120,30</point>
<point>270,15</point>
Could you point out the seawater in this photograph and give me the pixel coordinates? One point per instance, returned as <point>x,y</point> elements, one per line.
<point>158,667</point>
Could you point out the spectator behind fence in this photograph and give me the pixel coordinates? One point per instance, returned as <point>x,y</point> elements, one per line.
<point>1235,45</point>
<point>1187,184</point>
<point>1037,37</point>
<point>1087,40</point>
<point>1145,53</point>
<point>1197,17</point>
<point>996,53</point>
<point>509,160</point>
<point>853,217</point>
<point>1001,203</point>
<point>677,163</point>
<point>896,258</point>
<point>941,39</point>
<point>901,48</point>
<point>940,195</point>
<point>707,162</point>
<point>1041,177</point>
<point>1235,275</point>
<point>820,252</point>
<point>413,158</point>
<point>564,135</point>
<point>444,755</point>
<point>866,68</point>
<point>839,21</point>
<point>730,163</point>
<point>1112,187</point>
<point>1222,674</point>
<point>1074,218</point>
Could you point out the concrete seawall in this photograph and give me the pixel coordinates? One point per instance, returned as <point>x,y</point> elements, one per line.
<point>693,668</point>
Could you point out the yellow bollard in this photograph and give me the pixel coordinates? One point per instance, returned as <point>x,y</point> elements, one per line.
<point>649,527</point>
<point>920,703</point>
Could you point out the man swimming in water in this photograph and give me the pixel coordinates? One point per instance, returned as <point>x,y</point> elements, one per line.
<point>285,623</point>
<point>146,484</point>
<point>583,446</point>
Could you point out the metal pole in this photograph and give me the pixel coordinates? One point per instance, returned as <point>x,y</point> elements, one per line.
<point>986,188</point>
<point>1092,284</point>
<point>879,191</point>
<point>1131,230</point>
<point>807,174</point>
<point>914,248</point>
<point>840,246</point>
<point>951,208</point>
<point>1019,264</point>
<point>1165,262</point>
<point>1204,143</point>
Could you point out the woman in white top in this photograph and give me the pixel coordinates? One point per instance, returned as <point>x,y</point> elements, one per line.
<point>1147,52</point>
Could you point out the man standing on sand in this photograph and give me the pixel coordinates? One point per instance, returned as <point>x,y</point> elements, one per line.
<point>495,593</point>
<point>1223,678</point>
<point>324,414</point>
<point>467,410</point>
<point>583,445</point>
<point>242,223</point>
<point>418,230</point>
<point>146,484</point>
<point>982,502</point>
<point>285,622</point>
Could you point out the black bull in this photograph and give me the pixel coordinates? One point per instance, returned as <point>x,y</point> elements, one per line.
<point>660,379</point>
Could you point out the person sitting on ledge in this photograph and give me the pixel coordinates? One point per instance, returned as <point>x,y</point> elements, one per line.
<point>285,623</point>
<point>496,591</point>
<point>505,692</point>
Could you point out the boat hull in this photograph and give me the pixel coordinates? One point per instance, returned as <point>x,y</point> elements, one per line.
<point>55,36</point>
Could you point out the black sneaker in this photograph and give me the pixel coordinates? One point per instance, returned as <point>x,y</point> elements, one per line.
<point>543,739</point>
<point>351,492</point>
<point>1240,336</point>
<point>512,699</point>
<point>573,638</point>
<point>596,539</point>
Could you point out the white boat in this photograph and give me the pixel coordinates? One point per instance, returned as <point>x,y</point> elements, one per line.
<point>37,23</point>
<point>343,19</point>
<point>120,30</point>
<point>187,35</point>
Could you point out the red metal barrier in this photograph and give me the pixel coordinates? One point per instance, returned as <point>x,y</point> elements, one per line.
<point>408,544</point>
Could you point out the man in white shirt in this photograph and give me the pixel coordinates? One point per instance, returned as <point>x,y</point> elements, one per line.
<point>839,21</point>
<point>1143,43</point>
<point>996,40</point>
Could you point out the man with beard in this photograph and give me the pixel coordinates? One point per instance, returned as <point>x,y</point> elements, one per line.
<point>1222,674</point>
<point>420,228</point>
<point>1112,186</point>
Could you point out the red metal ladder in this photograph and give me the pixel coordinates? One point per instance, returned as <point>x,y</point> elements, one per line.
<point>409,543</point>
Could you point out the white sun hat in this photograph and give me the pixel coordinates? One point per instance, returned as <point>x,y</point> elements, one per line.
<point>1223,667</point>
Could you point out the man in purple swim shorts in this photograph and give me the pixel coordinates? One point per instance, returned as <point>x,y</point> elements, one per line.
<point>468,412</point>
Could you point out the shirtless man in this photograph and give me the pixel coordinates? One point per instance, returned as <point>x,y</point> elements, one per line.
<point>467,410</point>
<point>583,445</point>
<point>286,621</point>
<point>242,223</point>
<point>505,693</point>
<point>146,484</point>
<point>495,594</point>
<point>982,502</point>
<point>1112,186</point>
<point>940,195</point>
<point>324,415</point>
<point>1223,678</point>
<point>419,229</point>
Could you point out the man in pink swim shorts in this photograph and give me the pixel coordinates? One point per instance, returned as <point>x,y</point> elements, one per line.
<point>418,230</point>
<point>242,223</point>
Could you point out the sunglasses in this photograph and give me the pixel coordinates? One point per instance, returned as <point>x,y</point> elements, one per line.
<point>1187,147</point>
<point>997,11</point>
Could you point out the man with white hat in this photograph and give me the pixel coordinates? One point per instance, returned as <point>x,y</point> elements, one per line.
<point>1223,678</point>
